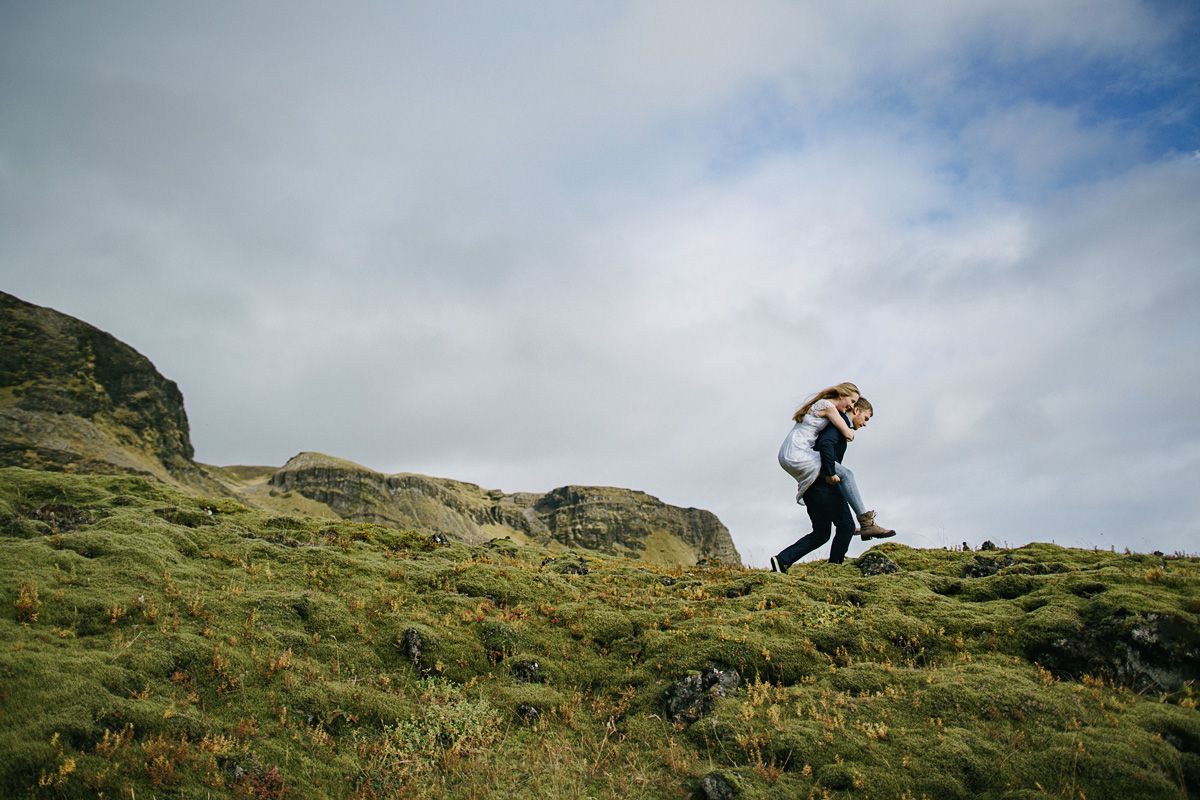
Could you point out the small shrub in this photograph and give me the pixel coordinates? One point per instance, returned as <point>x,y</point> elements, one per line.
<point>28,605</point>
<point>499,640</point>
<point>447,725</point>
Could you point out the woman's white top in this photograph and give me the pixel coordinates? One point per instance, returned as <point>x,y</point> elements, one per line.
<point>796,454</point>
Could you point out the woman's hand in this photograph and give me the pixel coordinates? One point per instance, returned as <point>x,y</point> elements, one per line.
<point>832,479</point>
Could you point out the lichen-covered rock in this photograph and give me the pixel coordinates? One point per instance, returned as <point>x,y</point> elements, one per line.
<point>412,645</point>
<point>874,563</point>
<point>694,696</point>
<point>983,566</point>
<point>715,786</point>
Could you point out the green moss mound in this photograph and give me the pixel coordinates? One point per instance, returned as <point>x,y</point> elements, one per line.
<point>153,644</point>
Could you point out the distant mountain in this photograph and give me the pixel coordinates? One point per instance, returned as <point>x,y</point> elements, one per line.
<point>75,399</point>
<point>608,520</point>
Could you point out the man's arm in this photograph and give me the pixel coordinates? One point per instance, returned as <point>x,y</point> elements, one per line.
<point>827,446</point>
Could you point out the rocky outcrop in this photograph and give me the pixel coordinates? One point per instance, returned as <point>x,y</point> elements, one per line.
<point>73,397</point>
<point>461,510</point>
<point>616,520</point>
<point>1158,652</point>
<point>601,519</point>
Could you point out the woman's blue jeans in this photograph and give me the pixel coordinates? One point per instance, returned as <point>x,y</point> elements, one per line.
<point>849,488</point>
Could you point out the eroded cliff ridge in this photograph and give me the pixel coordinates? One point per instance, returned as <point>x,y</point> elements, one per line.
<point>603,519</point>
<point>74,398</point>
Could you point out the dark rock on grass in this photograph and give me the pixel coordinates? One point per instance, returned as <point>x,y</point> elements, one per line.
<point>873,563</point>
<point>983,566</point>
<point>1150,652</point>
<point>60,517</point>
<point>412,645</point>
<point>419,646</point>
<point>694,696</point>
<point>528,714</point>
<point>566,565</point>
<point>715,786</point>
<point>988,545</point>
<point>503,545</point>
<point>529,671</point>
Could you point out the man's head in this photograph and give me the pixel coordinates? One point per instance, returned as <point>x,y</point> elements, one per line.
<point>861,413</point>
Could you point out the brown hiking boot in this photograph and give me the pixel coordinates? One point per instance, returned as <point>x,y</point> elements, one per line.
<point>869,530</point>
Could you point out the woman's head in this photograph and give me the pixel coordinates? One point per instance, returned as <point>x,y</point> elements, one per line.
<point>847,395</point>
<point>843,396</point>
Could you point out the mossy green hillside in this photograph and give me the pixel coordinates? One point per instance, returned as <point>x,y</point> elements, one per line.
<point>155,644</point>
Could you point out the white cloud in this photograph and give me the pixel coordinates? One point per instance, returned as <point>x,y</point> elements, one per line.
<point>527,246</point>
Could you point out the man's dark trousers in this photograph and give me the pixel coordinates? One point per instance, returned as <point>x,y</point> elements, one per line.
<point>826,508</point>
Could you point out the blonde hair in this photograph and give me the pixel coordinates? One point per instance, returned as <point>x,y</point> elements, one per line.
<point>832,393</point>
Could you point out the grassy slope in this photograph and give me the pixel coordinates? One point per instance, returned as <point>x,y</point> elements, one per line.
<point>148,648</point>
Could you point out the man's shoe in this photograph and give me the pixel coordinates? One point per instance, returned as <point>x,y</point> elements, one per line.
<point>869,530</point>
<point>776,566</point>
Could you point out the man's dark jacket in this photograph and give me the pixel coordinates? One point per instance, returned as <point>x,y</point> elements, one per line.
<point>831,444</point>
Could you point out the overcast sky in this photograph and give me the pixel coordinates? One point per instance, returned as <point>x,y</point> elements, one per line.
<point>533,244</point>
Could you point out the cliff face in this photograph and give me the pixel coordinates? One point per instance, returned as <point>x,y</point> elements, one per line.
<point>74,397</point>
<point>606,520</point>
